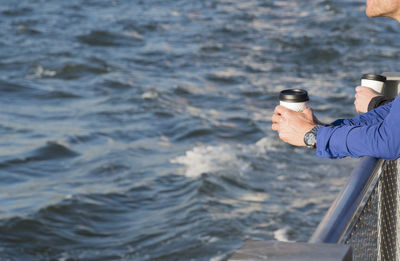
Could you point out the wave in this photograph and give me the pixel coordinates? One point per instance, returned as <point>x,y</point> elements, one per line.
<point>17,11</point>
<point>10,87</point>
<point>77,70</point>
<point>51,151</point>
<point>229,76</point>
<point>105,38</point>
<point>29,90</point>
<point>210,159</point>
<point>95,225</point>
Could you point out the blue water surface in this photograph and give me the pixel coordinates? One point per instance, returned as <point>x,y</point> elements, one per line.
<point>140,130</point>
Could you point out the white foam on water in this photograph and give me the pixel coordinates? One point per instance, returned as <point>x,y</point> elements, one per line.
<point>150,95</point>
<point>281,234</point>
<point>205,159</point>
<point>218,258</point>
<point>209,239</point>
<point>40,72</point>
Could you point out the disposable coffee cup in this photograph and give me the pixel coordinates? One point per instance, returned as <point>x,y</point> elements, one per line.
<point>373,81</point>
<point>294,99</point>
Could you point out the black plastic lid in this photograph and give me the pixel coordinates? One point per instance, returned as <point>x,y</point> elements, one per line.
<point>293,95</point>
<point>374,77</point>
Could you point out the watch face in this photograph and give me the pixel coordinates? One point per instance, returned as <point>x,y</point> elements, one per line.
<point>310,139</point>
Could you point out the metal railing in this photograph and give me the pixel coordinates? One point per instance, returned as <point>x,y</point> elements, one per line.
<point>349,202</point>
<point>366,214</point>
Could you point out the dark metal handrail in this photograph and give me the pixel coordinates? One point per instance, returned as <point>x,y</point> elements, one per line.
<point>349,203</point>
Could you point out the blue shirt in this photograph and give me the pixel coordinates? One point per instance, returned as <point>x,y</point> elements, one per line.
<point>375,133</point>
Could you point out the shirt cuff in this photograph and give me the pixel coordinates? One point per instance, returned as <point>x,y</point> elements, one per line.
<point>376,102</point>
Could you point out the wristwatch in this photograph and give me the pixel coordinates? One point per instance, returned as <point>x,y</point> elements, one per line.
<point>310,138</point>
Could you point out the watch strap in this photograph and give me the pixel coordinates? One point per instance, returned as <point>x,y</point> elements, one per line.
<point>314,132</point>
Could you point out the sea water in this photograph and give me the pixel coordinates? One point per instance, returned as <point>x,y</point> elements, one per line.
<point>140,130</point>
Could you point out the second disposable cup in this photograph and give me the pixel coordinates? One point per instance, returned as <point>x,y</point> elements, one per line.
<point>294,99</point>
<point>373,81</point>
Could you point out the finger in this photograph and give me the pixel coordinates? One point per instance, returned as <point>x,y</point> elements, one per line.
<point>275,127</point>
<point>276,110</point>
<point>281,110</point>
<point>363,89</point>
<point>276,118</point>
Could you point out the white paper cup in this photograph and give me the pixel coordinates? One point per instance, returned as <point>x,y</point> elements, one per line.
<point>294,99</point>
<point>294,106</point>
<point>373,81</point>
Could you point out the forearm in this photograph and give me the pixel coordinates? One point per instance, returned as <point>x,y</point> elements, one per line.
<point>372,117</point>
<point>335,141</point>
<point>380,140</point>
<point>358,141</point>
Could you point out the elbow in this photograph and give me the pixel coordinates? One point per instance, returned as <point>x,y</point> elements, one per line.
<point>391,148</point>
<point>386,143</point>
<point>390,157</point>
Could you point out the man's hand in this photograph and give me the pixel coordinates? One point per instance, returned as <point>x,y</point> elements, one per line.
<point>363,97</point>
<point>292,126</point>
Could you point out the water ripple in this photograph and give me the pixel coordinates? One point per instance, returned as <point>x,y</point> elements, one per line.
<point>51,151</point>
<point>105,38</point>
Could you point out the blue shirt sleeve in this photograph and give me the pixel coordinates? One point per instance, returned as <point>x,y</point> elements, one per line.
<point>371,117</point>
<point>376,134</point>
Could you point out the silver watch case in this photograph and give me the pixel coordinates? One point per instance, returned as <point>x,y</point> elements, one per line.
<point>310,138</point>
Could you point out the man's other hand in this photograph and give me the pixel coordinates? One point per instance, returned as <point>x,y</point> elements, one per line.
<point>363,97</point>
<point>292,126</point>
